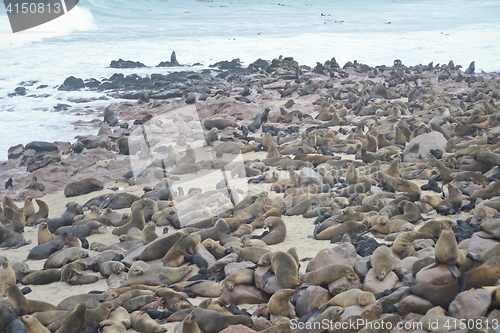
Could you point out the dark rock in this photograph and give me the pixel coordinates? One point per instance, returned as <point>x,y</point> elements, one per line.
<point>72,83</point>
<point>120,63</point>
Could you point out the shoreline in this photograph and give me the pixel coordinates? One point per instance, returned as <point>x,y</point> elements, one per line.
<point>337,103</point>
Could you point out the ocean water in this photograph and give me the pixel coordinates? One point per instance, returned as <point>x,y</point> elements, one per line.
<point>83,42</point>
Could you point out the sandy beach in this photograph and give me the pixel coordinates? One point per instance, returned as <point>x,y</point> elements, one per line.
<point>345,109</point>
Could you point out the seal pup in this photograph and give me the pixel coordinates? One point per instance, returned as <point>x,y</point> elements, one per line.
<point>42,213</point>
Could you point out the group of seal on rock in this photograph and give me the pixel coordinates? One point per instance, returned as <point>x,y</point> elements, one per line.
<point>400,175</point>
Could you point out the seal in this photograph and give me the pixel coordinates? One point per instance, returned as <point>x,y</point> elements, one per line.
<point>282,326</point>
<point>29,207</point>
<point>98,314</point>
<point>219,123</point>
<point>7,276</point>
<point>203,288</point>
<point>328,274</point>
<point>9,323</point>
<point>83,186</point>
<point>143,323</point>
<point>45,276</point>
<point>148,233</point>
<point>91,300</point>
<point>113,201</point>
<point>111,267</point>
<point>219,228</point>
<point>119,314</point>
<point>382,261</point>
<point>279,303</point>
<point>75,321</point>
<point>452,203</point>
<point>22,306</point>
<point>436,320</point>
<point>66,218</point>
<point>137,268</point>
<point>33,325</point>
<point>44,235</point>
<point>158,248</point>
<point>217,250</point>
<point>136,221</point>
<point>111,326</point>
<point>252,254</point>
<point>173,300</point>
<point>42,213</point>
<point>159,275</point>
<point>213,322</point>
<point>240,276</point>
<point>35,184</point>
<point>189,324</point>
<point>285,268</point>
<point>18,222</point>
<point>353,297</point>
<point>403,245</point>
<point>64,256</point>
<point>72,274</point>
<point>187,244</point>
<point>44,251</point>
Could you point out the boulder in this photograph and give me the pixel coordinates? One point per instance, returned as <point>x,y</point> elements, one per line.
<point>419,147</point>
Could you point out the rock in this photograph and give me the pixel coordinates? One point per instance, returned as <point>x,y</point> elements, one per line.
<point>15,151</point>
<point>354,313</point>
<point>39,162</point>
<point>234,266</point>
<point>361,267</point>
<point>72,83</point>
<point>120,63</point>
<point>419,147</point>
<point>395,296</point>
<point>421,263</point>
<point>374,285</point>
<point>219,265</point>
<point>344,253</point>
<point>414,304</point>
<point>233,64</point>
<point>424,253</point>
<point>271,285</point>
<point>261,324</point>
<point>308,176</point>
<point>438,275</point>
<point>470,304</point>
<point>311,297</point>
<point>203,252</point>
<point>343,284</point>
<point>420,244</point>
<point>408,262</point>
<point>64,147</point>
<point>478,245</point>
<point>243,294</point>
<point>238,329</point>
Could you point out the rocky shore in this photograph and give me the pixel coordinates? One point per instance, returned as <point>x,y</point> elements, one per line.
<point>275,195</point>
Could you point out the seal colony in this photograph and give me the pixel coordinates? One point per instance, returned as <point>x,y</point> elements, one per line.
<point>302,194</point>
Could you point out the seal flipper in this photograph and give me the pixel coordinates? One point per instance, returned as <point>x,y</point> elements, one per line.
<point>462,283</point>
<point>488,236</point>
<point>453,268</point>
<point>266,277</point>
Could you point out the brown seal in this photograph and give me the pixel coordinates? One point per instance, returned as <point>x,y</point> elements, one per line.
<point>158,248</point>
<point>18,222</point>
<point>45,276</point>
<point>218,229</point>
<point>44,251</point>
<point>328,274</point>
<point>111,326</point>
<point>72,274</point>
<point>29,207</point>
<point>252,254</point>
<point>187,244</point>
<point>189,324</point>
<point>488,192</point>
<point>403,245</point>
<point>42,213</point>
<point>62,257</point>
<point>452,203</point>
<point>92,300</point>
<point>159,275</point>
<point>382,261</point>
<point>7,276</point>
<point>173,300</point>
<point>143,323</point>
<point>213,322</point>
<point>240,276</point>
<point>33,325</point>
<point>188,158</point>
<point>121,315</point>
<point>83,186</point>
<point>279,303</point>
<point>75,321</point>
<point>350,227</point>
<point>203,288</point>
<point>136,221</point>
<point>217,250</point>
<point>353,297</point>
<point>219,123</point>
<point>98,314</point>
<point>111,267</point>
<point>148,233</point>
<point>285,268</point>
<point>22,306</point>
<point>282,326</point>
